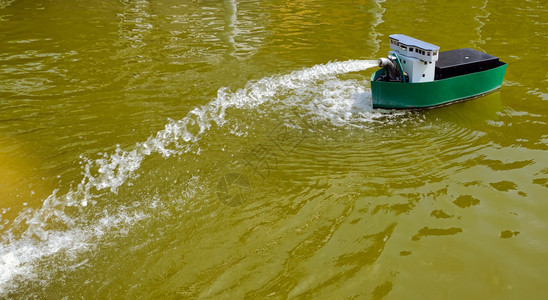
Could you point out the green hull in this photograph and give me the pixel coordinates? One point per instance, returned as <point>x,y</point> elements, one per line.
<point>439,92</point>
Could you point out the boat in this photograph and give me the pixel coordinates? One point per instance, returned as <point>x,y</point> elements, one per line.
<point>417,75</point>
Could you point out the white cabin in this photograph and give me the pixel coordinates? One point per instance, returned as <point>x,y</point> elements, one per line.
<point>418,58</point>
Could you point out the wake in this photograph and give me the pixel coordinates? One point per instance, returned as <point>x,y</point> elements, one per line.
<point>19,252</point>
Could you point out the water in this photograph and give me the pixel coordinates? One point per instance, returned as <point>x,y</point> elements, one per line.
<point>229,149</point>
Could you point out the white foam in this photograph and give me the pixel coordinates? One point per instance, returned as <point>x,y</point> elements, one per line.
<point>19,257</point>
<point>313,89</point>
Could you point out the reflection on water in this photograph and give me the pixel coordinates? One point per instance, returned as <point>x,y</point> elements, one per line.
<point>231,10</point>
<point>215,145</point>
<point>377,14</point>
<point>480,20</point>
<point>473,113</point>
<point>135,23</point>
<point>5,3</point>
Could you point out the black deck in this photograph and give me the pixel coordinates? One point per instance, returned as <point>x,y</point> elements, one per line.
<point>463,61</point>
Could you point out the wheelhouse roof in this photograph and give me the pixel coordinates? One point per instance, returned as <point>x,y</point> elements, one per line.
<point>409,41</point>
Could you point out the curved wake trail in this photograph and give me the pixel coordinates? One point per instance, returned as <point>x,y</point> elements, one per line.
<point>20,252</point>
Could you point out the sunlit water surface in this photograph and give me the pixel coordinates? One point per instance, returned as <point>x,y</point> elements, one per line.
<point>229,149</point>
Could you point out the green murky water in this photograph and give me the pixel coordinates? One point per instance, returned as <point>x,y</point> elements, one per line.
<point>227,149</point>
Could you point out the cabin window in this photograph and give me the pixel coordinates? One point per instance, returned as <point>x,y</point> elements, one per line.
<point>404,61</point>
<point>423,75</point>
<point>428,53</point>
<point>435,53</point>
<point>411,49</point>
<point>422,52</point>
<point>404,47</point>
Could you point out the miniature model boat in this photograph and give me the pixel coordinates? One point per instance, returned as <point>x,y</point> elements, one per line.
<point>416,74</point>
